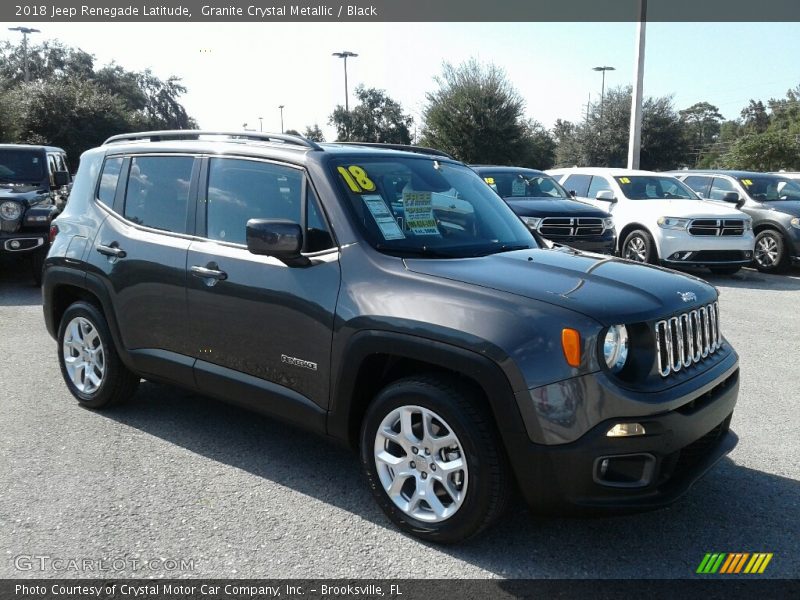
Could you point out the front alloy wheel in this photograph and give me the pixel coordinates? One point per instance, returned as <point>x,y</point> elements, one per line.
<point>421,463</point>
<point>84,355</point>
<point>433,458</point>
<point>639,247</point>
<point>770,256</point>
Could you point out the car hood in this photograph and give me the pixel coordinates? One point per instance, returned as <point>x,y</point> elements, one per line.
<point>554,207</point>
<point>609,290</point>
<point>691,208</point>
<point>20,192</point>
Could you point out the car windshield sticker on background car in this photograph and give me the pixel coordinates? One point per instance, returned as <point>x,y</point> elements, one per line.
<point>389,298</point>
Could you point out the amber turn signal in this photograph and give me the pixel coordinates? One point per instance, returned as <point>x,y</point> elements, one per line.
<point>571,343</point>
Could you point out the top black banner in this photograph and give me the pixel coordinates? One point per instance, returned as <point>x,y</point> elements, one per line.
<point>402,10</point>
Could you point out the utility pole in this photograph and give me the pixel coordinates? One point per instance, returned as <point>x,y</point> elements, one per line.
<point>603,88</point>
<point>25,31</point>
<point>345,54</point>
<point>261,123</point>
<point>635,140</point>
<point>281,107</point>
<point>588,107</point>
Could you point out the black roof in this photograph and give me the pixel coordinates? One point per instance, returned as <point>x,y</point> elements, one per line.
<point>508,169</point>
<point>30,147</point>
<point>729,172</point>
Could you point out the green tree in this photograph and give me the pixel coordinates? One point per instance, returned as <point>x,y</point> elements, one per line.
<point>376,118</point>
<point>768,151</point>
<point>477,116</point>
<point>314,133</point>
<point>603,142</point>
<point>756,118</point>
<point>702,126</point>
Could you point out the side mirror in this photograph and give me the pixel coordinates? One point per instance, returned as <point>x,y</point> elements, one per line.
<point>280,238</point>
<point>700,194</point>
<point>605,196</point>
<point>61,178</point>
<point>730,197</point>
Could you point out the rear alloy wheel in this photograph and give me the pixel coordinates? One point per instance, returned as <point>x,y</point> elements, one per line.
<point>770,252</point>
<point>433,459</point>
<point>89,361</point>
<point>639,247</point>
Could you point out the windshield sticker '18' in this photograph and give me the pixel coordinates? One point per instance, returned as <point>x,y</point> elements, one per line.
<point>383,217</point>
<point>418,209</point>
<point>356,179</point>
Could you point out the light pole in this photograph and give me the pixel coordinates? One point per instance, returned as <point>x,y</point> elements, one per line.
<point>345,54</point>
<point>635,139</point>
<point>25,31</point>
<point>281,107</point>
<point>261,123</point>
<point>603,87</point>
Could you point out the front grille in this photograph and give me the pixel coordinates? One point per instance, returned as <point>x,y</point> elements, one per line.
<point>716,227</point>
<point>719,255</point>
<point>571,226</point>
<point>687,339</point>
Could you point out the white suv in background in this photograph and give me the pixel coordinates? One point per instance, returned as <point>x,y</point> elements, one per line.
<point>661,220</point>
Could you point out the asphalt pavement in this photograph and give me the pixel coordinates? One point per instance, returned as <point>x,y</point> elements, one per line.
<point>174,484</point>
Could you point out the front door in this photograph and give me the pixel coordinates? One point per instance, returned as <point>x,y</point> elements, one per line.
<point>253,316</point>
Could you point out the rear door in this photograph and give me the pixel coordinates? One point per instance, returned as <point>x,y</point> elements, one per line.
<point>255,319</point>
<point>140,253</point>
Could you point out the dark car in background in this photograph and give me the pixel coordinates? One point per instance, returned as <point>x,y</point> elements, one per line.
<point>547,208</point>
<point>771,199</point>
<point>32,192</point>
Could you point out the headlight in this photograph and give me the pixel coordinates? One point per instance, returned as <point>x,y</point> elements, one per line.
<point>10,211</point>
<point>608,223</point>
<point>532,222</point>
<point>748,224</point>
<point>615,347</point>
<point>672,223</point>
<point>795,223</point>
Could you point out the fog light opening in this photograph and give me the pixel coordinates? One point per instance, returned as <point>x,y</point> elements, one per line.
<point>627,471</point>
<point>14,244</point>
<point>626,430</point>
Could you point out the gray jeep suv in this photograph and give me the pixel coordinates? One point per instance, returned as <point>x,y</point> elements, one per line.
<point>391,300</point>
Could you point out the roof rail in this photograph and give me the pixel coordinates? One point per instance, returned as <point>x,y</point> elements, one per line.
<point>194,134</point>
<point>403,147</point>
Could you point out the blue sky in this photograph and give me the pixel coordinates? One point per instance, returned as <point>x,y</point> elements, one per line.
<point>237,72</point>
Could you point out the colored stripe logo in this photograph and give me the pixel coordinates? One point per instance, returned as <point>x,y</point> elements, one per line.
<point>731,563</point>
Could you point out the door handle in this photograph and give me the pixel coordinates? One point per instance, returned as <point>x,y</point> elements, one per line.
<point>209,273</point>
<point>111,249</point>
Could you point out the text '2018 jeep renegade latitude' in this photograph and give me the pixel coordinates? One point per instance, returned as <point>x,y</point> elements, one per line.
<point>389,299</point>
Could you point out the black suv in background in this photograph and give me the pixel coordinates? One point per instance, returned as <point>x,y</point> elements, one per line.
<point>32,192</point>
<point>545,207</point>
<point>458,356</point>
<point>771,199</point>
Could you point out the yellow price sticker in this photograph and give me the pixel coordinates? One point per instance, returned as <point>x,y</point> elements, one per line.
<point>747,181</point>
<point>489,180</point>
<point>624,180</point>
<point>356,179</point>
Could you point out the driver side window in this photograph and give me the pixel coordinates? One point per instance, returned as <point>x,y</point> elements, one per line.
<point>720,187</point>
<point>599,184</point>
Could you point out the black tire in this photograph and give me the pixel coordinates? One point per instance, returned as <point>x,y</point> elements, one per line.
<point>489,482</point>
<point>37,265</point>
<point>725,270</point>
<point>770,254</point>
<point>648,254</point>
<point>117,383</point>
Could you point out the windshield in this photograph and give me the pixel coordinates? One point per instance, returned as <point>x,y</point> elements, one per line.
<point>21,166</point>
<point>423,207</point>
<point>766,188</point>
<point>523,185</point>
<point>654,187</point>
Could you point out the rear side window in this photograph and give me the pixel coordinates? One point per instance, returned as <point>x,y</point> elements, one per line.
<point>239,190</point>
<point>578,184</point>
<point>108,181</point>
<point>158,192</point>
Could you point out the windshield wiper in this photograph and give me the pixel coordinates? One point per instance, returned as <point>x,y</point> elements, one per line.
<point>424,251</point>
<point>505,248</point>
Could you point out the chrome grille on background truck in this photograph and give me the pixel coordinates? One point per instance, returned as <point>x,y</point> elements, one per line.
<point>571,226</point>
<point>687,339</point>
<point>716,227</point>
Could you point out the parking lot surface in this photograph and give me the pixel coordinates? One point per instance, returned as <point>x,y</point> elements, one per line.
<point>175,476</point>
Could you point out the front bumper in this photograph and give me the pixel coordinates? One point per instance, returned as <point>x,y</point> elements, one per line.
<point>679,446</point>
<point>698,250</point>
